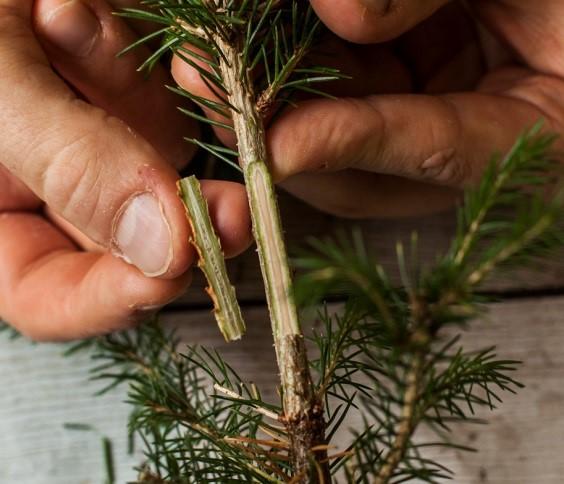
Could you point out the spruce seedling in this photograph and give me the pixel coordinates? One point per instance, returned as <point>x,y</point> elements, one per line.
<point>229,42</point>
<point>252,54</point>
<point>387,353</point>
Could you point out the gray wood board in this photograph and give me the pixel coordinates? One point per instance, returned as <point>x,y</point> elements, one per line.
<point>40,391</point>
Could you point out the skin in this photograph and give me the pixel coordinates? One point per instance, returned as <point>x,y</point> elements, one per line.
<point>415,125</point>
<point>433,96</point>
<point>72,152</point>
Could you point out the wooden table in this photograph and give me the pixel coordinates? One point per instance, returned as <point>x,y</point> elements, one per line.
<point>40,391</point>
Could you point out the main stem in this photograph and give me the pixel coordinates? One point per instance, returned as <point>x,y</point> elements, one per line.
<point>303,414</point>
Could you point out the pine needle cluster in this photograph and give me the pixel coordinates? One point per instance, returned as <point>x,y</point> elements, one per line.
<point>272,39</point>
<point>386,353</point>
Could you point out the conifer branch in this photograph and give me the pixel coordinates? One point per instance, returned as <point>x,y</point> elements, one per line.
<point>238,38</point>
<point>407,422</point>
<point>383,357</point>
<point>544,223</point>
<point>395,347</point>
<point>303,415</point>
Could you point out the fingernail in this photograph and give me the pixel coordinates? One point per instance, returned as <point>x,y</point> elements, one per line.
<point>70,25</point>
<point>142,235</point>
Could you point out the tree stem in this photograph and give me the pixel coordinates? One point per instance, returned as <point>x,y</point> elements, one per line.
<point>406,424</point>
<point>303,414</point>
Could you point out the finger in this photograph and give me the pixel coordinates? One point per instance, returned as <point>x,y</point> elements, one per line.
<point>363,66</point>
<point>442,59</point>
<point>88,167</point>
<point>229,210</point>
<point>530,30</point>
<point>14,195</point>
<point>334,53</point>
<point>49,291</point>
<point>367,21</point>
<point>447,140</point>
<point>111,82</point>
<point>351,194</point>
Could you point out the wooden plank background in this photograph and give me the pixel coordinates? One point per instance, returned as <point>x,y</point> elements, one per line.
<point>40,391</point>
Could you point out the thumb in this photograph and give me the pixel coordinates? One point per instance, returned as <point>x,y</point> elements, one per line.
<point>368,21</point>
<point>88,167</point>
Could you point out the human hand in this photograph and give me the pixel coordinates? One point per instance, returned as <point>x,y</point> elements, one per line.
<point>87,170</point>
<point>429,103</point>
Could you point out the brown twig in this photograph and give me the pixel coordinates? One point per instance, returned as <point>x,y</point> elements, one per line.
<point>406,424</point>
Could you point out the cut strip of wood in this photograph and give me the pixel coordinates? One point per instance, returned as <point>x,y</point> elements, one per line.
<point>211,260</point>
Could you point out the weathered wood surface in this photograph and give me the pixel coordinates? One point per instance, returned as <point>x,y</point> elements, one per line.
<point>40,391</point>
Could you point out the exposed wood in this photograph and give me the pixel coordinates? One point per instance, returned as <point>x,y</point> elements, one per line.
<point>211,260</point>
<point>302,419</point>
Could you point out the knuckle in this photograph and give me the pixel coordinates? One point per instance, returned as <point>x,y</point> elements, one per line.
<point>337,127</point>
<point>444,163</point>
<point>546,94</point>
<point>374,141</point>
<point>71,181</point>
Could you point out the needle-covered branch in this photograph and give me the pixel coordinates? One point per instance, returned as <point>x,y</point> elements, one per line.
<point>252,51</point>
<point>303,415</point>
<point>385,356</point>
<point>391,337</point>
<point>386,360</point>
